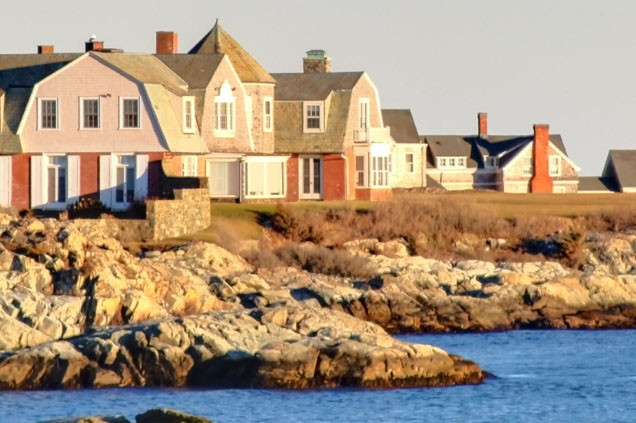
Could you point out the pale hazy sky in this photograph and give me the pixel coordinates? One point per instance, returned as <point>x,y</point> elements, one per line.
<point>571,63</point>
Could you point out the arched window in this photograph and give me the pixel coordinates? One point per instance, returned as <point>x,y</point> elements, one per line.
<point>224,111</point>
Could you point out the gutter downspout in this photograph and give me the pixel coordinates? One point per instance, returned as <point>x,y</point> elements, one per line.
<point>346,159</point>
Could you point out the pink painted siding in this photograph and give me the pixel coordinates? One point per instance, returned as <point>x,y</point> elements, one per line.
<point>363,89</point>
<point>88,77</point>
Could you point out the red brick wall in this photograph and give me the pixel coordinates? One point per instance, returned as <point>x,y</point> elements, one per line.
<point>541,181</point>
<point>292,178</point>
<point>89,176</point>
<point>20,188</point>
<point>335,177</point>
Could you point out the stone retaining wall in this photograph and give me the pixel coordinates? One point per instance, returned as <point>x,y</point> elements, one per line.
<point>188,212</point>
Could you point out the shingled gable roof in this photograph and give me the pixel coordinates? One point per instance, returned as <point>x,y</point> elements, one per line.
<point>196,69</point>
<point>313,86</point>
<point>624,162</point>
<point>506,147</point>
<point>26,70</point>
<point>218,41</point>
<point>403,129</point>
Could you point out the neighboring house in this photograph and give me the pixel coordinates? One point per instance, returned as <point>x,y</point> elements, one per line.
<point>331,124</point>
<point>93,125</point>
<point>408,157</point>
<point>619,172</point>
<point>597,185</point>
<point>510,163</point>
<point>235,112</point>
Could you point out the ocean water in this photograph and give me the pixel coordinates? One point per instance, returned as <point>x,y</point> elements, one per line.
<point>541,376</point>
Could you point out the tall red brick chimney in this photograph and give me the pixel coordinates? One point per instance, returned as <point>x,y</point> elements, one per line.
<point>167,42</point>
<point>482,120</point>
<point>541,181</point>
<point>46,49</point>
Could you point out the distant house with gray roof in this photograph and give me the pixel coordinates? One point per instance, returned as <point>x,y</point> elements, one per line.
<point>408,152</point>
<point>619,172</point>
<point>508,163</point>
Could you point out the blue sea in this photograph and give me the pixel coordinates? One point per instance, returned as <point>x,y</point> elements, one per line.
<point>541,376</point>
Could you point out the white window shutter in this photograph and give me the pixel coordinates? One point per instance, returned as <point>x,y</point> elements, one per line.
<point>105,181</point>
<point>141,174</point>
<point>37,190</point>
<point>5,181</point>
<point>73,174</point>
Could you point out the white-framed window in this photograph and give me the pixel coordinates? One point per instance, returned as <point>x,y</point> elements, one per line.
<point>461,162</point>
<point>409,160</point>
<point>380,171</point>
<point>558,189</point>
<point>554,165</point>
<point>189,166</point>
<point>188,115</point>
<point>129,113</point>
<point>363,120</point>
<point>124,179</point>
<point>56,179</point>
<point>492,161</point>
<point>527,166</point>
<point>441,162</point>
<point>451,162</point>
<point>48,113</point>
<point>265,178</point>
<point>268,114</point>
<point>90,113</point>
<point>224,112</point>
<point>361,171</point>
<point>313,116</point>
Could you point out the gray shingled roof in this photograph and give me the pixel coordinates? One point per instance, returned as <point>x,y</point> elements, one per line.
<point>624,162</point>
<point>403,129</point>
<point>26,70</point>
<point>313,86</point>
<point>196,69</point>
<point>596,184</point>
<point>219,41</point>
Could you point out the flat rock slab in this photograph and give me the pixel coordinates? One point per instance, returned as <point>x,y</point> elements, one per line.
<point>167,415</point>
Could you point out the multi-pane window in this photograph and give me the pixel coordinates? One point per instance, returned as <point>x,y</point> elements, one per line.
<point>527,167</point>
<point>380,171</point>
<point>492,161</point>
<point>441,162</point>
<point>268,115</point>
<point>225,116</point>
<point>130,113</point>
<point>555,165</point>
<point>410,162</point>
<point>125,179</point>
<point>313,117</point>
<point>189,166</point>
<point>56,179</point>
<point>451,162</point>
<point>48,114</point>
<point>461,162</point>
<point>188,115</point>
<point>89,113</point>
<point>265,179</point>
<point>360,171</point>
<point>364,113</point>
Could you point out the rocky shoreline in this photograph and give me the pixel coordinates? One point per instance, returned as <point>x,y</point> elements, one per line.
<point>77,310</point>
<point>155,415</point>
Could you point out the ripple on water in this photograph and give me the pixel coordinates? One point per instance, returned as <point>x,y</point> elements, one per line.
<point>547,376</point>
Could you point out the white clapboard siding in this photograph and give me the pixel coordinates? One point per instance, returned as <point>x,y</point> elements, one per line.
<point>105,181</point>
<point>5,181</point>
<point>37,185</point>
<point>73,174</point>
<point>141,175</point>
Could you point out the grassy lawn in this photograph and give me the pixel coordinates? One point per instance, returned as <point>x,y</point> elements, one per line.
<point>562,205</point>
<point>245,221</point>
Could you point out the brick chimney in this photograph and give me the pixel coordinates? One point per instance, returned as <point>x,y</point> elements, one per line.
<point>93,45</point>
<point>46,49</point>
<point>482,124</point>
<point>167,42</point>
<point>541,181</point>
<point>316,62</point>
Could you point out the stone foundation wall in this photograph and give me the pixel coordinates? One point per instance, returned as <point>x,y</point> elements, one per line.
<point>189,212</point>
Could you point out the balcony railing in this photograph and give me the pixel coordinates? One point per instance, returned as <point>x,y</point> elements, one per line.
<point>372,135</point>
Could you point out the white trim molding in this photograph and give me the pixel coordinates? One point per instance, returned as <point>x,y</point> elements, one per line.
<point>320,116</point>
<point>121,113</point>
<point>41,127</point>
<point>82,125</point>
<point>189,125</point>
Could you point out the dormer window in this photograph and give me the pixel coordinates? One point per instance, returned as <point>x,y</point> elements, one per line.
<point>364,113</point>
<point>492,161</point>
<point>268,114</point>
<point>313,119</point>
<point>188,115</point>
<point>224,112</point>
<point>451,162</point>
